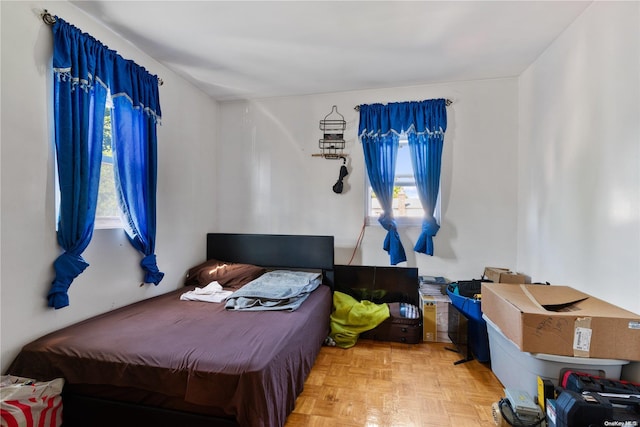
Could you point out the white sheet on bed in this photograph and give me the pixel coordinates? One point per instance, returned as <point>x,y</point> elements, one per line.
<point>213,292</point>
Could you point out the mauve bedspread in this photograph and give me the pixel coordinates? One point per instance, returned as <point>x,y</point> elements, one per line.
<point>250,366</point>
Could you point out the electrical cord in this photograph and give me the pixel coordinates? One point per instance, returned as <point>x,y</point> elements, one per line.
<point>358,242</point>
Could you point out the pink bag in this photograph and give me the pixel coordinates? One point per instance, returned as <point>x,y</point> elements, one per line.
<point>28,403</point>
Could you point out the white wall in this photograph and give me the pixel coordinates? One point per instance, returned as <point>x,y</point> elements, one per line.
<point>579,157</point>
<point>270,183</point>
<point>186,185</point>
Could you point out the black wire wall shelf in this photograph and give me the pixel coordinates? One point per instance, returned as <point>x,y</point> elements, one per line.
<point>332,143</point>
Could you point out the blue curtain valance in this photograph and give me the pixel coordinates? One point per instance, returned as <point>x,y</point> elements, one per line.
<point>85,61</point>
<point>421,117</point>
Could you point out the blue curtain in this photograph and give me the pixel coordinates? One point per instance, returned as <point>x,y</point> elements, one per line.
<point>84,70</point>
<point>426,159</point>
<point>426,153</point>
<point>424,122</point>
<point>135,164</point>
<point>79,116</point>
<point>380,153</point>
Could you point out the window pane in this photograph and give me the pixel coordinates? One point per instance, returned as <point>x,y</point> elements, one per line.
<point>107,211</point>
<point>403,161</point>
<point>407,208</point>
<point>406,203</point>
<point>107,202</point>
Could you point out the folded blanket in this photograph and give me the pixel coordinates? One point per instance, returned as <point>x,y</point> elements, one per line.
<point>275,290</point>
<point>213,292</point>
<point>351,317</point>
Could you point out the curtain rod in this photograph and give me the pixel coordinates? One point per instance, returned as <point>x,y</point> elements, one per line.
<point>447,103</point>
<point>49,19</point>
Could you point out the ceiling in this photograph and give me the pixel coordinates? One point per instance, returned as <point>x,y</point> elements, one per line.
<point>253,49</point>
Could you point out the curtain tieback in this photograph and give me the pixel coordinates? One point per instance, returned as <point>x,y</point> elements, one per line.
<point>150,266</point>
<point>68,267</point>
<point>430,227</point>
<point>388,222</point>
<point>392,242</point>
<point>425,242</point>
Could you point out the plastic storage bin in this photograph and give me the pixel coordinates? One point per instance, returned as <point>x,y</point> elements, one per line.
<point>471,308</point>
<point>519,370</point>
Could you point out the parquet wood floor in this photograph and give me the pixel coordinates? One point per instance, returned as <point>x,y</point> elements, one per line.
<point>382,384</point>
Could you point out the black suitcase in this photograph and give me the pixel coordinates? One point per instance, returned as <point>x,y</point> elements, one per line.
<point>403,325</point>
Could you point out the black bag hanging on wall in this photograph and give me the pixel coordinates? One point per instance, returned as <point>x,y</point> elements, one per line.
<point>338,186</point>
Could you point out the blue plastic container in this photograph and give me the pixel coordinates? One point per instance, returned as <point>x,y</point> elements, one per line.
<point>477,338</point>
<point>470,307</point>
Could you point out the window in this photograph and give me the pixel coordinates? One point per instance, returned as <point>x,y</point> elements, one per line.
<point>407,209</point>
<point>107,211</point>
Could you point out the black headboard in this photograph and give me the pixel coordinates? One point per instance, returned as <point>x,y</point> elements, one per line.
<point>274,250</point>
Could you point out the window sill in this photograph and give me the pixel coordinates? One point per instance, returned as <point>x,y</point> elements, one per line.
<point>107,223</point>
<point>404,222</point>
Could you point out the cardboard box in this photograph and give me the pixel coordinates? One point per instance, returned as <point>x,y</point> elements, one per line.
<point>435,318</point>
<point>504,275</point>
<point>562,320</point>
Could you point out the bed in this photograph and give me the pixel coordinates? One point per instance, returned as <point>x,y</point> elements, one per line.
<point>167,362</point>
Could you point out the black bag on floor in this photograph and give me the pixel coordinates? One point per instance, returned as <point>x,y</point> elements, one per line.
<point>467,288</point>
<point>403,325</point>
